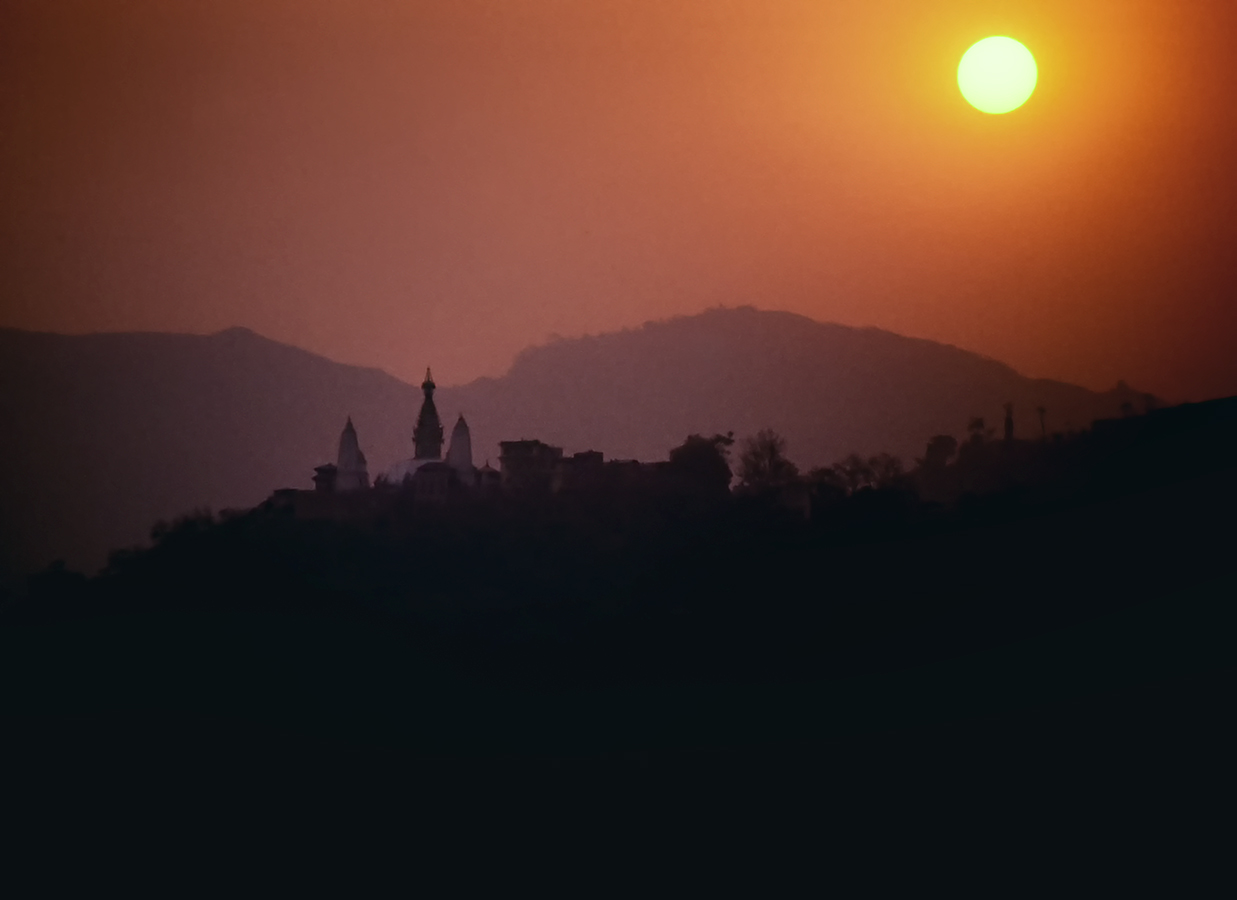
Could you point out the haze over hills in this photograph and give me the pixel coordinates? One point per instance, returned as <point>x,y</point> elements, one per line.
<point>110,433</point>
<point>829,389</point>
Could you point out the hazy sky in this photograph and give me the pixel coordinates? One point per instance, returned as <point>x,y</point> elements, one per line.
<point>395,183</point>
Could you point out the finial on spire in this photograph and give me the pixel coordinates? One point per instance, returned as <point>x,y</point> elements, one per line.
<point>428,377</point>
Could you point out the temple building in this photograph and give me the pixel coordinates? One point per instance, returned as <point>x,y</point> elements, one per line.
<point>527,467</point>
<point>432,478</point>
<point>426,439</point>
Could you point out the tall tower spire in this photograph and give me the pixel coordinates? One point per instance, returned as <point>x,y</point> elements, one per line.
<point>427,436</point>
<point>352,472</point>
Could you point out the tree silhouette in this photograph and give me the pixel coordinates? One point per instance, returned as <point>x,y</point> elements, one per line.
<point>855,472</point>
<point>763,464</point>
<point>704,462</point>
<point>827,485</point>
<point>886,470</point>
<point>940,450</point>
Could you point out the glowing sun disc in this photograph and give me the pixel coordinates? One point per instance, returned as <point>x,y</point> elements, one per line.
<point>997,75</point>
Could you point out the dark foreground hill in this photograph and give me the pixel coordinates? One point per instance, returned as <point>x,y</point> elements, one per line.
<point>109,433</point>
<point>1060,644</point>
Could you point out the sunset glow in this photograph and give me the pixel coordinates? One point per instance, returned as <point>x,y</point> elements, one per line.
<point>392,184</point>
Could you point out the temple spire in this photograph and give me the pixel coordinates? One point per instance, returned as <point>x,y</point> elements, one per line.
<point>427,436</point>
<point>459,455</point>
<point>352,472</point>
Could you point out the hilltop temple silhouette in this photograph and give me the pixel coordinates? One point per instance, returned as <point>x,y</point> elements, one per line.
<point>528,467</point>
<point>425,473</point>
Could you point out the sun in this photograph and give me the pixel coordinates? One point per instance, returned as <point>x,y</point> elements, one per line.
<point>997,75</point>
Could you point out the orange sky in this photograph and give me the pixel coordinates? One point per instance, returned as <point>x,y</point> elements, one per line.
<point>395,183</point>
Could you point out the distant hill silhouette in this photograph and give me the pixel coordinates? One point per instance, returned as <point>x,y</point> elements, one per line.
<point>109,433</point>
<point>829,389</point>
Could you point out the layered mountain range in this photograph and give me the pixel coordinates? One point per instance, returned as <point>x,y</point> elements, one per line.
<point>109,433</point>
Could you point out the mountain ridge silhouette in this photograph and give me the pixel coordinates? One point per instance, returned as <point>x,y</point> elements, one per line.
<point>113,432</point>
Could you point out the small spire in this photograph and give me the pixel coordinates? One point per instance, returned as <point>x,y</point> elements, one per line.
<point>428,377</point>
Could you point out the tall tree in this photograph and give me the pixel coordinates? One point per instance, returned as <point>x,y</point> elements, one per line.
<point>855,472</point>
<point>940,450</point>
<point>704,461</point>
<point>763,464</point>
<point>886,470</point>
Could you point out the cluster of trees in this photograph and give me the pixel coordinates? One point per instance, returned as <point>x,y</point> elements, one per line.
<point>763,467</point>
<point>1115,456</point>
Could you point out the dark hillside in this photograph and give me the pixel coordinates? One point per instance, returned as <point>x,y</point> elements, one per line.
<point>1067,635</point>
